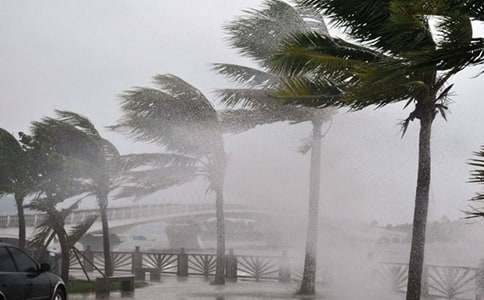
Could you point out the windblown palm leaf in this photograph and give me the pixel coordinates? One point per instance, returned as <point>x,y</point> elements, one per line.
<point>385,25</point>
<point>17,172</point>
<point>457,46</point>
<point>258,33</point>
<point>175,115</point>
<point>477,176</point>
<point>260,85</point>
<point>80,230</point>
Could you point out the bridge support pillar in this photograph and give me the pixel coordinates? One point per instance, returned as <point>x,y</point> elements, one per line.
<point>284,268</point>
<point>231,266</point>
<point>182,267</point>
<point>480,281</point>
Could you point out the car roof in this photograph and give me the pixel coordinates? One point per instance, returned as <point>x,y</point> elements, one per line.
<point>3,244</point>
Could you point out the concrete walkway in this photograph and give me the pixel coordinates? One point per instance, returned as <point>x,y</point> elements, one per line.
<point>199,288</point>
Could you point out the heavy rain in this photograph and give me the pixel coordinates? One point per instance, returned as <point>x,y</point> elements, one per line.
<point>244,149</point>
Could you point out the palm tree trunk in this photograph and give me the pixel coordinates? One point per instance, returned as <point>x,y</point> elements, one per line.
<point>19,201</point>
<point>219,165</point>
<point>103,205</point>
<point>309,273</point>
<point>421,208</point>
<point>220,263</point>
<point>65,256</point>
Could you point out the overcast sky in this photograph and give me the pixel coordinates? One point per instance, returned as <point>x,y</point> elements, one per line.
<point>79,55</point>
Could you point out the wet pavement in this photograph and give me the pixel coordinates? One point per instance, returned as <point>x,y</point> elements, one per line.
<point>199,288</point>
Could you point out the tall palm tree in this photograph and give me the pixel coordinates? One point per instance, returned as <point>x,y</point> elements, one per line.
<point>257,35</point>
<point>180,118</point>
<point>17,176</point>
<point>376,68</point>
<point>106,170</point>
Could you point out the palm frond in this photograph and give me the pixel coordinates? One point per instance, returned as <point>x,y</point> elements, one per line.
<point>176,116</point>
<point>386,25</point>
<point>79,230</point>
<point>246,97</point>
<point>249,77</point>
<point>257,33</point>
<point>477,176</point>
<point>13,162</point>
<point>41,236</point>
<point>78,121</point>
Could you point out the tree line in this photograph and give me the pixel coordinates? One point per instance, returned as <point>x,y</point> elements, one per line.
<point>390,54</point>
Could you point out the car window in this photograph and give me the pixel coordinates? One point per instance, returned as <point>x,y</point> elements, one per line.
<point>23,261</point>
<point>6,262</point>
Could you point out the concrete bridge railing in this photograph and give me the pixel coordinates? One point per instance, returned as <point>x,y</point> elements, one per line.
<point>184,263</point>
<point>438,282</point>
<point>118,213</point>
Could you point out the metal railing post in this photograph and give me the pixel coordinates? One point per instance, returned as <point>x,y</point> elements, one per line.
<point>182,264</point>
<point>480,281</point>
<point>231,266</point>
<point>284,268</point>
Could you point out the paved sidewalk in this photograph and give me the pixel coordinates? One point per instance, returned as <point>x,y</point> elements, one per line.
<point>199,288</point>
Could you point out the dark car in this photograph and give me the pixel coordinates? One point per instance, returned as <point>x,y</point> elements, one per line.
<point>21,277</point>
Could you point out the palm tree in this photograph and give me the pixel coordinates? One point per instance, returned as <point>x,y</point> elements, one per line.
<point>180,118</point>
<point>376,68</point>
<point>16,176</point>
<point>54,226</point>
<point>477,176</point>
<point>106,170</point>
<point>59,179</point>
<point>257,35</point>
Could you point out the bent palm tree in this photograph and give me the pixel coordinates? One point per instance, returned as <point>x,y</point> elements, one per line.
<point>54,226</point>
<point>376,70</point>
<point>178,116</point>
<point>258,35</point>
<point>59,178</point>
<point>105,169</point>
<point>17,176</point>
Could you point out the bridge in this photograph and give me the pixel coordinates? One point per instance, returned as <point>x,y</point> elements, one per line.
<point>121,218</point>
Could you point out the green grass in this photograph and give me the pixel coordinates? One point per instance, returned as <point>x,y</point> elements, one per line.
<point>75,286</point>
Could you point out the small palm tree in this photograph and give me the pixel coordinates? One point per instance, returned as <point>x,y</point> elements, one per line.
<point>376,68</point>
<point>180,118</point>
<point>106,170</point>
<point>17,176</point>
<point>258,35</point>
<point>53,226</point>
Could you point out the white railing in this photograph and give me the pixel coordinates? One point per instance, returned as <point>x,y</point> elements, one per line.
<point>120,213</point>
